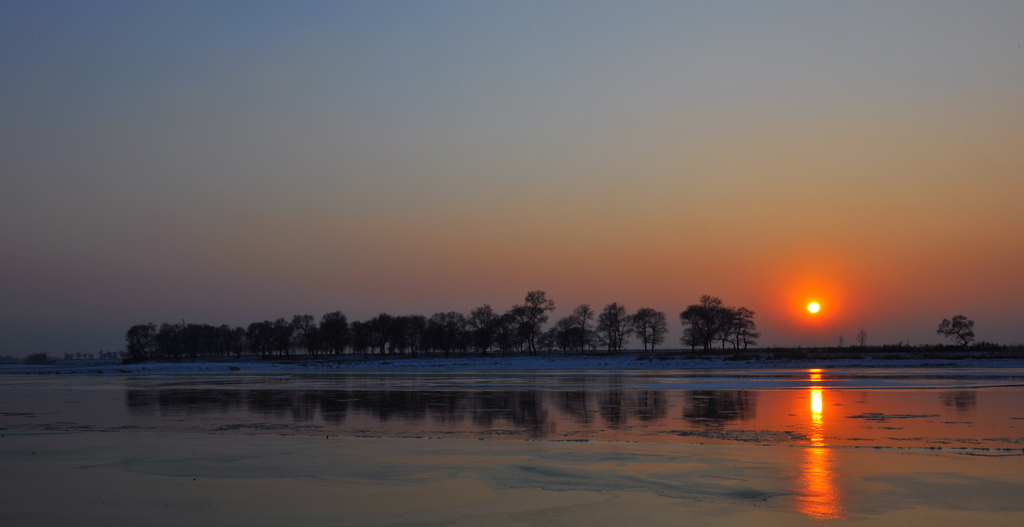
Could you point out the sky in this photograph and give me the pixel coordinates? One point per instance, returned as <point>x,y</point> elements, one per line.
<point>228,162</point>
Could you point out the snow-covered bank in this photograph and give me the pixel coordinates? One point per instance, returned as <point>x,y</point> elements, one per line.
<point>543,362</point>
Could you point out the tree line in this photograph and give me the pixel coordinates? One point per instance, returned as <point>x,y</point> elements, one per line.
<point>520,330</point>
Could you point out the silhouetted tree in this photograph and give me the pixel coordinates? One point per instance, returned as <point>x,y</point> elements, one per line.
<point>140,341</point>
<point>960,329</point>
<point>745,328</point>
<point>534,315</point>
<point>360,337</point>
<point>562,334</point>
<point>704,322</point>
<point>170,341</point>
<point>483,322</point>
<point>398,335</point>
<point>237,341</point>
<point>334,332</point>
<point>260,336</point>
<point>862,338</point>
<point>416,333</point>
<point>614,327</point>
<point>380,330</point>
<point>283,331</point>
<point>508,336</point>
<point>582,316</point>
<point>447,332</point>
<point>307,334</point>
<point>650,326</point>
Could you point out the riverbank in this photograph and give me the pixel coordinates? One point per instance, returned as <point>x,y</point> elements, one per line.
<point>623,361</point>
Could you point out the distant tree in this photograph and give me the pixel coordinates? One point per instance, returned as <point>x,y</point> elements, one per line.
<point>704,322</point>
<point>548,340</point>
<point>447,332</point>
<point>380,332</point>
<point>239,341</point>
<point>360,337</point>
<point>582,316</point>
<point>650,326</point>
<point>229,341</point>
<point>746,329</point>
<point>260,336</point>
<point>727,326</point>
<point>170,341</point>
<point>862,338</point>
<point>140,341</point>
<point>840,341</point>
<point>398,335</point>
<point>509,337</point>
<point>614,327</point>
<point>283,331</point>
<point>307,333</point>
<point>533,317</point>
<point>37,359</point>
<point>416,333</point>
<point>334,332</point>
<point>483,322</point>
<point>563,333</point>
<point>960,329</point>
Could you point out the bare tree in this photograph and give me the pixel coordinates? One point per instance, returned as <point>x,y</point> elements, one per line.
<point>960,329</point>
<point>447,332</point>
<point>745,328</point>
<point>307,333</point>
<point>862,338</point>
<point>582,316</point>
<point>334,332</point>
<point>379,332</point>
<point>614,327</point>
<point>416,333</point>
<point>703,322</point>
<point>483,322</point>
<point>534,316</point>
<point>140,341</point>
<point>508,335</point>
<point>361,338</point>
<point>562,334</point>
<point>260,336</point>
<point>650,325</point>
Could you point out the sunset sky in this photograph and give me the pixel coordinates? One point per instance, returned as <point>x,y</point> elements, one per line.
<point>234,162</point>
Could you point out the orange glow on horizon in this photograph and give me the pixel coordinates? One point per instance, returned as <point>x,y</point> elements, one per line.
<point>815,299</point>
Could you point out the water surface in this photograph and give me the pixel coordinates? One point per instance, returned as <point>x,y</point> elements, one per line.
<point>888,446</point>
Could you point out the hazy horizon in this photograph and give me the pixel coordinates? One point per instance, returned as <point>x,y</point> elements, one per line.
<point>234,162</point>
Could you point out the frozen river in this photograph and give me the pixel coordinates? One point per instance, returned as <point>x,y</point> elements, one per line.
<point>553,447</point>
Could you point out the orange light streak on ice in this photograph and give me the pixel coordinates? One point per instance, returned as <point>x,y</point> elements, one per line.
<point>820,498</point>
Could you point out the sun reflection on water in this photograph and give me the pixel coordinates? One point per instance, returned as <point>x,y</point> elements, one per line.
<point>820,496</point>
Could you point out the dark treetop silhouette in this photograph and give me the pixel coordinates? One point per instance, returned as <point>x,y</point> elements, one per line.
<point>521,329</point>
<point>960,329</point>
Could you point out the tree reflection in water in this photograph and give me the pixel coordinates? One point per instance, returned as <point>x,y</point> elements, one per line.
<point>524,409</point>
<point>963,401</point>
<point>534,411</point>
<point>716,408</point>
<point>820,497</point>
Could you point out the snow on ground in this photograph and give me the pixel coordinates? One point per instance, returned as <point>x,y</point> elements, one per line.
<point>477,363</point>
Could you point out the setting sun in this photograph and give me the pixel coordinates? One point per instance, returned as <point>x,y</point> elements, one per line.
<point>813,307</point>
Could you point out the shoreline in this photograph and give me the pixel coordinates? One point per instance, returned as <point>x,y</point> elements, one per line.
<point>624,361</point>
